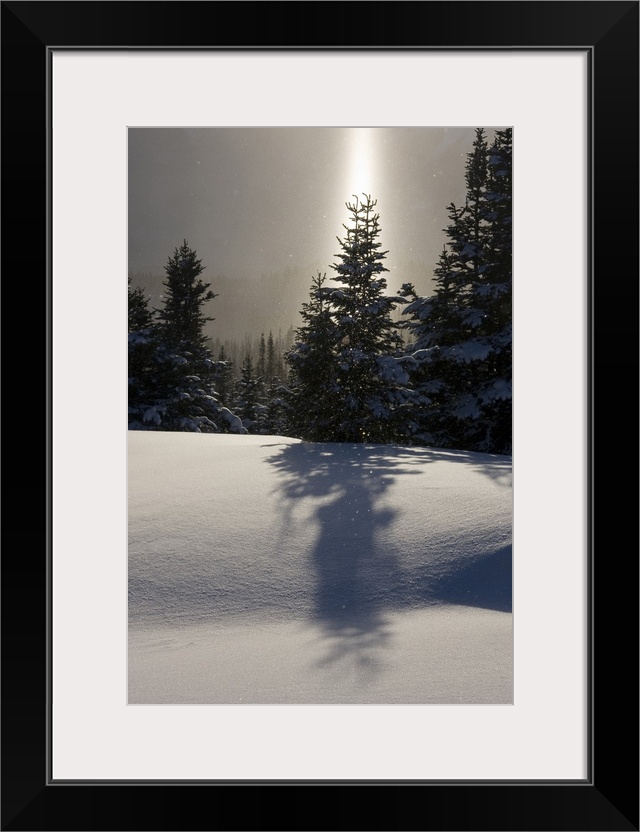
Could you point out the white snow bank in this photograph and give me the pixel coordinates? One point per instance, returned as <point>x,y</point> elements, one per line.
<point>329,550</point>
<point>440,655</point>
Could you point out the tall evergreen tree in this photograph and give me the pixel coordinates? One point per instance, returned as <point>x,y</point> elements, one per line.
<point>369,378</point>
<point>182,318</point>
<point>348,383</point>
<point>461,355</point>
<point>493,295</point>
<point>182,396</point>
<point>311,396</point>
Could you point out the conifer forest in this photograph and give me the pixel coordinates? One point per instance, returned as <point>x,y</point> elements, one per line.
<point>362,364</point>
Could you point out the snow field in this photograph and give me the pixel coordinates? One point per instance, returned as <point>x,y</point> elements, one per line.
<point>267,570</point>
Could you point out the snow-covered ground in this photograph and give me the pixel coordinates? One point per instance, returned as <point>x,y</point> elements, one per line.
<point>263,569</point>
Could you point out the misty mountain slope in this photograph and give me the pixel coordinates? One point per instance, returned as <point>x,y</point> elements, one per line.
<point>265,569</point>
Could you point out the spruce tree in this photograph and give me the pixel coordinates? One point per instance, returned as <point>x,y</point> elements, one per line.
<point>182,318</point>
<point>461,355</point>
<point>370,382</point>
<point>493,293</point>
<point>182,395</point>
<point>347,379</point>
<point>311,399</point>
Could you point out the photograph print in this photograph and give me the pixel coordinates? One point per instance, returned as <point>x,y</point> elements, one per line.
<point>319,415</point>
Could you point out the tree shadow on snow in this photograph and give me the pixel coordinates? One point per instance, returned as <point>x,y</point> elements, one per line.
<point>358,579</point>
<point>496,467</point>
<point>485,582</point>
<point>346,484</point>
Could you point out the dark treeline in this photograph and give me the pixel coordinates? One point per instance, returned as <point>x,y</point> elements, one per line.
<point>235,351</point>
<point>364,365</point>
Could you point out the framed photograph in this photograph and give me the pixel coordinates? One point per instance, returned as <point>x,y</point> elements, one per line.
<point>94,95</point>
<point>309,571</point>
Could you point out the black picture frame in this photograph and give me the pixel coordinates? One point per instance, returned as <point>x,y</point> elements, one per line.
<point>608,798</point>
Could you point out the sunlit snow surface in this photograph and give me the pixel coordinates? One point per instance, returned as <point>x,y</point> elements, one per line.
<point>263,569</point>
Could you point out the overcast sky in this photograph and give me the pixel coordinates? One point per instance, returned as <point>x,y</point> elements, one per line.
<point>255,201</point>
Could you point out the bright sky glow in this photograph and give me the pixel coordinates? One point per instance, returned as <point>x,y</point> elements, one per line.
<point>361,174</point>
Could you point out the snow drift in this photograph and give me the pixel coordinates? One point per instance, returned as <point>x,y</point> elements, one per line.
<point>267,570</point>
